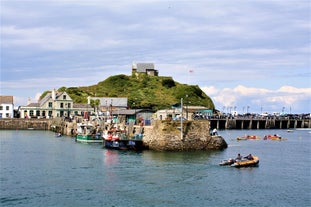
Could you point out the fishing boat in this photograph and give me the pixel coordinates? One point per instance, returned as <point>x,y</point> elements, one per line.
<point>87,134</point>
<point>115,139</point>
<point>246,162</point>
<point>119,140</point>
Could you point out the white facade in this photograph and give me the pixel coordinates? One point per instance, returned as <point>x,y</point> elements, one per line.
<point>54,104</point>
<point>6,111</point>
<point>6,107</point>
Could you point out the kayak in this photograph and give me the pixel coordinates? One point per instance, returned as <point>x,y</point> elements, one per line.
<point>274,137</point>
<point>248,137</point>
<point>246,162</point>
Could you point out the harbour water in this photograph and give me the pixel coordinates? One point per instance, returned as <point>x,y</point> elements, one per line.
<point>39,169</point>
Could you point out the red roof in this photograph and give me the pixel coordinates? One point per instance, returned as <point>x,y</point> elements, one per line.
<point>6,99</point>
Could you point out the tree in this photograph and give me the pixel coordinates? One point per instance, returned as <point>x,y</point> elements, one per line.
<point>95,104</point>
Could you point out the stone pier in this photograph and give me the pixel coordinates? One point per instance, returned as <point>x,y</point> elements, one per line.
<point>166,136</point>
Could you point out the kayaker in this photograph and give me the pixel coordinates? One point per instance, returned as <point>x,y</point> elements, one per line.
<point>249,157</point>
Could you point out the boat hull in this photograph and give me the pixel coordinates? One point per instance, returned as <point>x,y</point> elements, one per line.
<point>124,145</point>
<point>88,139</point>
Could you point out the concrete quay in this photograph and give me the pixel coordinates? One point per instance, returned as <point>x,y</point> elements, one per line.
<point>258,123</point>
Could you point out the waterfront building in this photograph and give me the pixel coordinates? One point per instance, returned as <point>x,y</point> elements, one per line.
<point>6,107</point>
<point>54,104</point>
<point>109,103</point>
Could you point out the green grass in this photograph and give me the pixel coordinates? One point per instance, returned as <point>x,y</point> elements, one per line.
<point>156,92</point>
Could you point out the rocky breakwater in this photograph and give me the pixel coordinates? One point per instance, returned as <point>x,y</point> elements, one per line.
<point>167,136</point>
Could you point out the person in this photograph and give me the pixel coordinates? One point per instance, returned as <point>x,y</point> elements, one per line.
<point>215,131</point>
<point>249,157</point>
<point>239,157</point>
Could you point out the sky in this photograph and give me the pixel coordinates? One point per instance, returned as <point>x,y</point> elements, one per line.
<point>248,56</point>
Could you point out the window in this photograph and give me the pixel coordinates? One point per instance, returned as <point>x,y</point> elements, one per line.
<point>37,113</point>
<point>50,113</point>
<point>43,113</point>
<point>69,105</point>
<point>64,97</point>
<point>7,115</point>
<point>31,113</point>
<point>7,108</point>
<point>50,104</point>
<point>1,108</point>
<point>62,105</point>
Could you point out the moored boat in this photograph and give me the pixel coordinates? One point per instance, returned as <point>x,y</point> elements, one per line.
<point>119,140</point>
<point>87,134</point>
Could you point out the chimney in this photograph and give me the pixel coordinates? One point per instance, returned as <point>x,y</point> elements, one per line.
<point>53,94</point>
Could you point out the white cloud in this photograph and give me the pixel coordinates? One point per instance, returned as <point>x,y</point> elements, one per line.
<point>52,38</point>
<point>259,98</point>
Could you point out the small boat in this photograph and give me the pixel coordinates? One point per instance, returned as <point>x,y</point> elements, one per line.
<point>274,137</point>
<point>248,137</point>
<point>246,162</point>
<point>87,134</point>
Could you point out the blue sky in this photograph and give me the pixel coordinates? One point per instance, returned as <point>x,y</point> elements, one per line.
<point>243,54</point>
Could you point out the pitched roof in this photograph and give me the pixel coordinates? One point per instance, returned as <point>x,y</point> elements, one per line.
<point>6,99</point>
<point>33,105</point>
<point>107,101</point>
<point>81,105</point>
<point>142,67</point>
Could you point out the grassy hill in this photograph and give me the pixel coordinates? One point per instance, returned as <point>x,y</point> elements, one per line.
<point>156,92</point>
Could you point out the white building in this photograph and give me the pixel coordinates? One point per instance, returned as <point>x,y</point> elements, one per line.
<point>54,104</point>
<point>6,107</point>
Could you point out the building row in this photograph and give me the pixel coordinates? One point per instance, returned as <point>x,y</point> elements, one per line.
<point>60,104</point>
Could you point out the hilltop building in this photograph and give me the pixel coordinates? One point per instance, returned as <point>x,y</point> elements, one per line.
<point>6,107</point>
<point>54,104</point>
<point>144,68</point>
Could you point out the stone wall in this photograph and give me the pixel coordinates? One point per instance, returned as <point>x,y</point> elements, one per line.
<point>166,136</point>
<point>38,124</point>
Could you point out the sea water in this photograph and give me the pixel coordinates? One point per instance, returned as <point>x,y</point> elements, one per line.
<point>39,169</point>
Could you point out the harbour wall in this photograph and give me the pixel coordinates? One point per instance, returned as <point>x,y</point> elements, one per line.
<point>161,136</point>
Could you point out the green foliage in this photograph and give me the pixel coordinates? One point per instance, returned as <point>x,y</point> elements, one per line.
<point>143,91</point>
<point>44,94</point>
<point>168,83</point>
